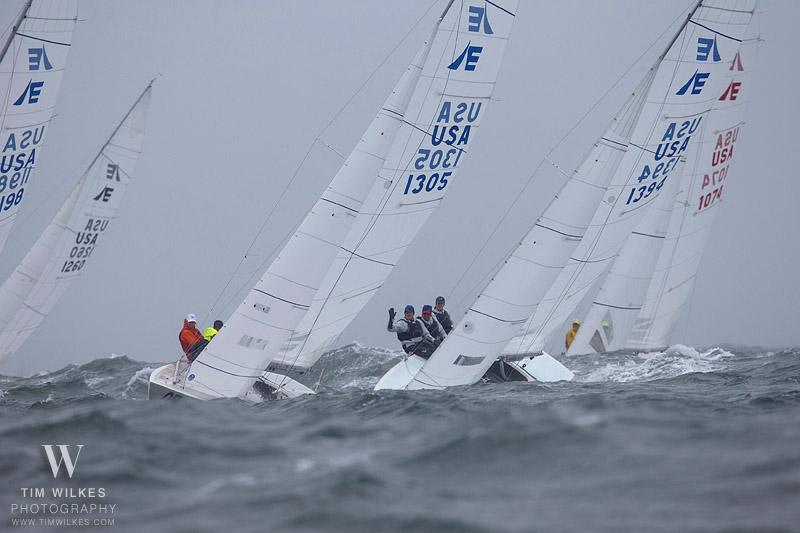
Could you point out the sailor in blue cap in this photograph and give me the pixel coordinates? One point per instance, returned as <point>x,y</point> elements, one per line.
<point>411,333</point>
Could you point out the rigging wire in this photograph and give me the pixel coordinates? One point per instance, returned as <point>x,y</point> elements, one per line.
<point>317,139</point>
<point>548,157</point>
<point>387,194</point>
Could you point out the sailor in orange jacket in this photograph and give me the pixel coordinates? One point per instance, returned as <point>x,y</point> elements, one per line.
<point>190,337</point>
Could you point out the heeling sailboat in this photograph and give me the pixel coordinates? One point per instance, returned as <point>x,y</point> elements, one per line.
<point>32,62</point>
<point>616,310</point>
<point>445,114</point>
<point>670,290</point>
<point>65,247</point>
<point>689,78</point>
<point>230,366</point>
<point>516,289</point>
<point>619,300</point>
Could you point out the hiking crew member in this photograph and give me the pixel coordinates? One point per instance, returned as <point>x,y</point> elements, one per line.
<point>191,339</point>
<point>209,333</point>
<point>576,325</point>
<point>411,333</point>
<point>442,315</point>
<point>432,325</point>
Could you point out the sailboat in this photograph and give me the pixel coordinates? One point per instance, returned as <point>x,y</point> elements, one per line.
<point>348,243</point>
<point>648,286</point>
<point>662,121</point>
<point>66,246</point>
<point>669,293</point>
<point>32,61</point>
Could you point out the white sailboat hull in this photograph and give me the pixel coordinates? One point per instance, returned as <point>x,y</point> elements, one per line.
<point>401,374</point>
<point>542,368</point>
<point>162,385</point>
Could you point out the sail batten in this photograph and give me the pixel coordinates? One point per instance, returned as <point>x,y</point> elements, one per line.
<point>444,117</point>
<point>65,247</point>
<point>32,62</point>
<point>275,306</point>
<point>688,80</point>
<point>669,292</point>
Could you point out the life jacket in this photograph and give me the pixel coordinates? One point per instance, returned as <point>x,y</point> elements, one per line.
<point>569,338</point>
<point>209,333</point>
<point>444,319</point>
<point>431,327</point>
<point>189,336</point>
<point>412,336</point>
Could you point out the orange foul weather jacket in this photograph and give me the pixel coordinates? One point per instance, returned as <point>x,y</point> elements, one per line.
<point>189,336</point>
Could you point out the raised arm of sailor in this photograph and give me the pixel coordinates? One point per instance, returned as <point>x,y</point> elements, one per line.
<point>400,326</point>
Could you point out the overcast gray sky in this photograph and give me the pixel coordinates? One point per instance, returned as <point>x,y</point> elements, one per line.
<point>248,85</point>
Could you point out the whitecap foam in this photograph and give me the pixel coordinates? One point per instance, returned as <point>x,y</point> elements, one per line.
<point>676,360</point>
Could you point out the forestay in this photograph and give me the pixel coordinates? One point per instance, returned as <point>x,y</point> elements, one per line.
<point>65,248</point>
<point>514,292</point>
<point>34,56</point>
<point>689,78</point>
<point>274,307</point>
<point>673,282</point>
<point>424,164</point>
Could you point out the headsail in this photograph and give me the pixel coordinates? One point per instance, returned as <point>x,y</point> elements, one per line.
<point>616,306</point>
<point>688,80</point>
<point>67,244</point>
<point>672,284</point>
<point>516,289</point>
<point>444,116</point>
<point>32,62</point>
<point>274,307</point>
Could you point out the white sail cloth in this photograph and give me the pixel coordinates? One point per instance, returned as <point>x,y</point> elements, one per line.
<point>670,290</point>
<point>611,317</point>
<point>259,327</point>
<point>444,116</point>
<point>62,252</point>
<point>514,292</point>
<point>688,81</point>
<point>33,61</point>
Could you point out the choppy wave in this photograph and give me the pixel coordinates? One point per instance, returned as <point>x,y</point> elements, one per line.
<point>684,439</point>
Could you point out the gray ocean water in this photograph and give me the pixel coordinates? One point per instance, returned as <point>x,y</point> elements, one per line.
<point>687,440</point>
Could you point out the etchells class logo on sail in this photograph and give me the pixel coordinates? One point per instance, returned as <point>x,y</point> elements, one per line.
<point>64,458</point>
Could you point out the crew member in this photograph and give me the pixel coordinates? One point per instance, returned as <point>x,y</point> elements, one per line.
<point>576,325</point>
<point>411,333</point>
<point>209,333</point>
<point>442,315</point>
<point>191,339</point>
<point>432,325</point>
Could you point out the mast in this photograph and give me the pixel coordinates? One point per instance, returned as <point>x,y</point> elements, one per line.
<point>677,33</point>
<point>14,29</point>
<point>121,122</point>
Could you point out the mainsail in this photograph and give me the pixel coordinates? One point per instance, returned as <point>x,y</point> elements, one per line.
<point>672,284</point>
<point>424,163</point>
<point>32,61</point>
<point>67,244</point>
<point>259,327</point>
<point>516,289</point>
<point>616,306</point>
<point>689,78</point>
